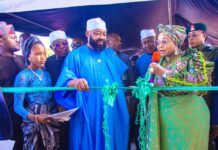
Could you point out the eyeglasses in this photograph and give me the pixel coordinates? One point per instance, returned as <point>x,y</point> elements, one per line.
<point>60,44</point>
<point>164,42</point>
<point>193,35</point>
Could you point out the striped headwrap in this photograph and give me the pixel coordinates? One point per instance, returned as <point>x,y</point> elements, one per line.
<point>27,46</point>
<point>176,32</point>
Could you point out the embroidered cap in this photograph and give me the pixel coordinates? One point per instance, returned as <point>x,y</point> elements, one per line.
<point>147,33</point>
<point>95,23</point>
<point>55,35</point>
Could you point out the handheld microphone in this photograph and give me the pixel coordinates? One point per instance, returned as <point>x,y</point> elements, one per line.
<point>155,59</point>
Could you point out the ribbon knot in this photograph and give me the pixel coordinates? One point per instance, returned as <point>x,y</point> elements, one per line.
<point>143,88</point>
<point>110,92</point>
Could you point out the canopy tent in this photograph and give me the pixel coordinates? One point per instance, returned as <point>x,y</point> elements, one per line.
<point>30,5</point>
<point>41,17</point>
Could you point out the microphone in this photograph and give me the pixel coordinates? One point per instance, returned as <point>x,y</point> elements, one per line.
<point>155,59</point>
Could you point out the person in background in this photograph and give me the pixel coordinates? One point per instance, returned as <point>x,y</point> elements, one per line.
<point>76,42</point>
<point>94,65</point>
<point>197,36</point>
<point>148,38</point>
<point>39,132</point>
<point>11,64</point>
<point>60,46</point>
<point>54,63</point>
<point>22,39</point>
<point>114,41</point>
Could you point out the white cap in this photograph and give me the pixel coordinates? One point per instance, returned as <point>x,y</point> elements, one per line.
<point>147,33</point>
<point>56,35</point>
<point>95,23</point>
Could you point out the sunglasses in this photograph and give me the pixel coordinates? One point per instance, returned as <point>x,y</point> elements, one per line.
<point>60,44</point>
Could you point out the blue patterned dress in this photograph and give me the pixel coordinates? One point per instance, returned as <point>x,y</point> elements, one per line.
<point>36,103</point>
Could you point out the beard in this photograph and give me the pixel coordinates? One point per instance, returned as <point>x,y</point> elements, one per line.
<point>95,43</point>
<point>14,49</point>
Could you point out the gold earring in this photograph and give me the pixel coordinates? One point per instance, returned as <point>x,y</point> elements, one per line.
<point>176,51</point>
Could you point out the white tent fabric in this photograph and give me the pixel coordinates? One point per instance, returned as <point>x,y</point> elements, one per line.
<point>7,6</point>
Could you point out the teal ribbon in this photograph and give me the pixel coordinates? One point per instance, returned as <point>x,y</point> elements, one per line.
<point>141,91</point>
<point>109,92</point>
<point>162,88</point>
<point>33,89</point>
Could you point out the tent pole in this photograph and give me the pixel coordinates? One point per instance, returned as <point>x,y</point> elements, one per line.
<point>29,21</point>
<point>170,11</point>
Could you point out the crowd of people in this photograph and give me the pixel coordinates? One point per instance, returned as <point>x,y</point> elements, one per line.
<point>185,119</point>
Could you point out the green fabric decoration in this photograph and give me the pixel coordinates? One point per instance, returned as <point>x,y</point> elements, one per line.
<point>110,93</point>
<point>141,92</point>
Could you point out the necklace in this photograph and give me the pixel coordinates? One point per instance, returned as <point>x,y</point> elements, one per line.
<point>37,75</point>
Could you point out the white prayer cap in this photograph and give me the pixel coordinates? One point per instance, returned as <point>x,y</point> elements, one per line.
<point>95,23</point>
<point>56,35</point>
<point>147,33</point>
